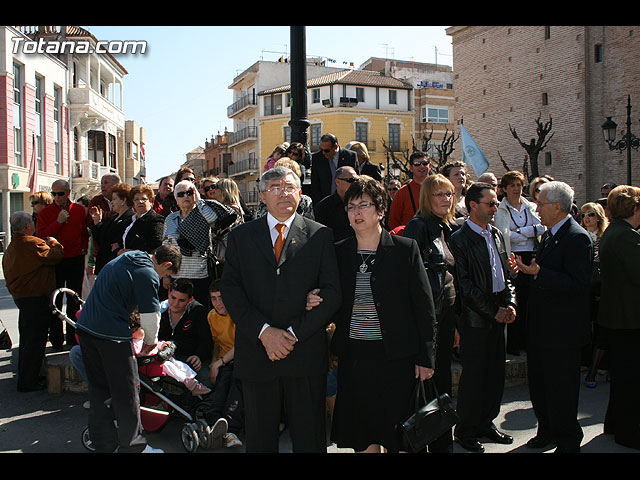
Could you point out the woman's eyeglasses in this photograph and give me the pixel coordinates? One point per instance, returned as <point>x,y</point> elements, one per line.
<point>443,194</point>
<point>189,192</point>
<point>209,187</point>
<point>588,214</point>
<point>361,206</point>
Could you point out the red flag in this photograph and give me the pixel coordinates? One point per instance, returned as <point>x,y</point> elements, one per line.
<point>33,169</point>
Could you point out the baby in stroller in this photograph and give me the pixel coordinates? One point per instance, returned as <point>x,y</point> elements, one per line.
<point>166,364</point>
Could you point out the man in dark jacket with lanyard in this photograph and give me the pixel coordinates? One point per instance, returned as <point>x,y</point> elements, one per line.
<point>488,303</point>
<point>127,283</point>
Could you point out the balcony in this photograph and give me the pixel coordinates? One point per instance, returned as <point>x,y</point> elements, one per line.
<point>241,104</point>
<point>87,104</point>
<point>243,167</point>
<point>243,134</point>
<point>88,170</point>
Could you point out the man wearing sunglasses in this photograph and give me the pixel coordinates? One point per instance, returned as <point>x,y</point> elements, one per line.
<point>406,200</point>
<point>324,164</point>
<point>488,303</point>
<point>67,222</point>
<point>330,210</point>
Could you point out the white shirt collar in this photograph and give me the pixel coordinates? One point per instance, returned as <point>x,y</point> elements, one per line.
<point>273,221</point>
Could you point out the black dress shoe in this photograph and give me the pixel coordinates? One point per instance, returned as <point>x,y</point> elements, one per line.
<point>539,442</point>
<point>497,436</point>
<point>471,444</point>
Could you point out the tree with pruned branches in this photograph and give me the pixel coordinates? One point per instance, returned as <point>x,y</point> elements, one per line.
<point>533,148</point>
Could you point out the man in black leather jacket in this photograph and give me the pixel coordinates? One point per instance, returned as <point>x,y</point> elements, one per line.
<point>488,303</point>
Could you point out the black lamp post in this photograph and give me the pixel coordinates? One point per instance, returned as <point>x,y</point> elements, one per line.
<point>628,140</point>
<point>299,123</point>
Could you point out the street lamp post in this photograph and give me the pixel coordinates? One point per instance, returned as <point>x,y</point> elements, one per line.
<point>299,123</point>
<point>628,140</point>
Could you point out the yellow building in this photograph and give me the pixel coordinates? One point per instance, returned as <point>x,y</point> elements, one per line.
<point>354,105</point>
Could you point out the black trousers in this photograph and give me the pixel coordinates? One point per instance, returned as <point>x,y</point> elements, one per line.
<point>554,386</point>
<point>516,331</point>
<point>481,385</point>
<point>303,401</point>
<point>623,412</point>
<point>34,318</point>
<point>69,274</point>
<point>112,373</point>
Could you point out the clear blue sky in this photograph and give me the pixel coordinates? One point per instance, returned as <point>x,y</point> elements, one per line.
<point>178,90</point>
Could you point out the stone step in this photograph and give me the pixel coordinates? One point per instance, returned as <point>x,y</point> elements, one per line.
<point>62,376</point>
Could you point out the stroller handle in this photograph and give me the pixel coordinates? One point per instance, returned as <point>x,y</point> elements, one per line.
<point>54,308</point>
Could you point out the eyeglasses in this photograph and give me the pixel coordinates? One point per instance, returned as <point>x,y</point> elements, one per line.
<point>59,194</point>
<point>348,180</point>
<point>288,189</point>
<point>210,187</point>
<point>189,192</point>
<point>491,204</point>
<point>393,189</point>
<point>142,199</point>
<point>443,194</point>
<point>294,154</point>
<point>326,150</point>
<point>424,163</point>
<point>361,206</point>
<point>589,214</point>
<point>33,204</point>
<point>191,179</point>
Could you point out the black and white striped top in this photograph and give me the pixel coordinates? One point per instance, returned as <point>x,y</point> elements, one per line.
<point>365,324</point>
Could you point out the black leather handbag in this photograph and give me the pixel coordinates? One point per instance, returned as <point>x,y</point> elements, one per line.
<point>430,419</point>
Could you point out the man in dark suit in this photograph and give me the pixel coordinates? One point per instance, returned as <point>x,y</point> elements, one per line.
<point>330,211</point>
<point>281,354</point>
<point>559,319</point>
<point>324,164</point>
<point>488,303</point>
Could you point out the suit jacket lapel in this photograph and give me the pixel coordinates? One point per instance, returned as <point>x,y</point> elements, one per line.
<point>295,239</point>
<point>552,241</point>
<point>262,240</point>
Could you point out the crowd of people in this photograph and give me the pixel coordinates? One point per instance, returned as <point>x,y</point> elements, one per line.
<point>341,299</point>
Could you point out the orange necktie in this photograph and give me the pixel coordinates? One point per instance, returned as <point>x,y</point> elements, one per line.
<point>279,241</point>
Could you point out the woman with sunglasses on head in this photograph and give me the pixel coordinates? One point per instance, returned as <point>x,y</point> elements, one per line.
<point>595,222</point>
<point>520,225</point>
<point>190,229</point>
<point>384,328</point>
<point>431,228</point>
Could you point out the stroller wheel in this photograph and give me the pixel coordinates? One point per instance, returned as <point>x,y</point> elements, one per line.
<point>203,435</point>
<point>190,440</point>
<point>86,441</point>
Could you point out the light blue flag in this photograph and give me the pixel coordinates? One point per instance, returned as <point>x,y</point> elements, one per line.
<point>471,152</point>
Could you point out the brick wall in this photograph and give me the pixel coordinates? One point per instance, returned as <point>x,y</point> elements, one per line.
<point>502,72</point>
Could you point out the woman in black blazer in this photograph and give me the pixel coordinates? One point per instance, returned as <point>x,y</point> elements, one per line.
<point>107,232</point>
<point>431,228</point>
<point>147,226</point>
<point>384,328</point>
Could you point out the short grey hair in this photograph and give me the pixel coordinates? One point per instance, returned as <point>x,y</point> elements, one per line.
<point>488,177</point>
<point>20,220</point>
<point>276,173</point>
<point>558,192</point>
<point>113,176</point>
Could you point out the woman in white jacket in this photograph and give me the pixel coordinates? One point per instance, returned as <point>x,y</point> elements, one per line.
<point>520,225</point>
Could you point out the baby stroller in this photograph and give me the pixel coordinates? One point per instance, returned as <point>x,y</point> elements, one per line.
<point>161,397</point>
